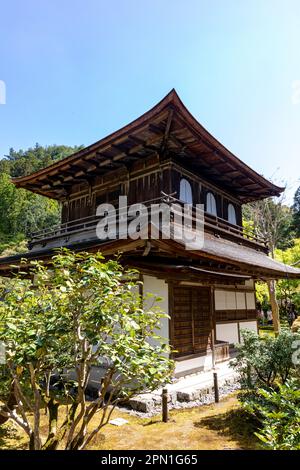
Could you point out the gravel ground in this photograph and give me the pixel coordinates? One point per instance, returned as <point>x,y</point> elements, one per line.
<point>206,399</point>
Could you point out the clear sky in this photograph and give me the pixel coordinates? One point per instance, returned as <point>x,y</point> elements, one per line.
<point>77,70</point>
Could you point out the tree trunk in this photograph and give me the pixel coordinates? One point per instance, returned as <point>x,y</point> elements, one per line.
<point>52,439</point>
<point>274,305</point>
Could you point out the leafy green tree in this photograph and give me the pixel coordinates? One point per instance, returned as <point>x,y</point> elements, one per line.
<point>24,162</point>
<point>56,326</point>
<point>271,220</point>
<point>296,212</point>
<point>288,290</point>
<point>22,212</point>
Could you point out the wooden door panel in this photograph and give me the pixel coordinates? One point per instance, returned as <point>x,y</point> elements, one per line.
<point>191,320</point>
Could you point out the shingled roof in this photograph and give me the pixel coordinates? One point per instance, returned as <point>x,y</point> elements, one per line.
<point>240,260</point>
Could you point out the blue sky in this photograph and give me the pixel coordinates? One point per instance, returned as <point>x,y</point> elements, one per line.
<point>78,70</point>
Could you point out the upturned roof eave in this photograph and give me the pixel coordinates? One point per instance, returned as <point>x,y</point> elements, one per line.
<point>170,100</point>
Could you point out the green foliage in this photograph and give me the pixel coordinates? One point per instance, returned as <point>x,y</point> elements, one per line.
<point>264,361</point>
<point>78,314</point>
<point>271,220</point>
<point>21,211</point>
<point>289,290</point>
<point>279,413</point>
<point>25,162</point>
<point>269,379</point>
<point>262,294</point>
<point>276,222</point>
<point>296,212</point>
<point>9,246</point>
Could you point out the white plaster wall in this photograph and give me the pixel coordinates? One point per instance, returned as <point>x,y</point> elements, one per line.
<point>249,325</point>
<point>200,362</point>
<point>227,332</point>
<point>160,288</point>
<point>250,299</point>
<point>207,361</point>
<point>230,300</point>
<point>225,300</point>
<point>220,299</point>
<point>240,301</point>
<point>249,283</point>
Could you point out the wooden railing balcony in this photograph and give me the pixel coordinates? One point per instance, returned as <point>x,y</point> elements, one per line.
<point>61,234</point>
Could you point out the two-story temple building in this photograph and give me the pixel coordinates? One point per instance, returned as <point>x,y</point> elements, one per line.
<point>166,154</point>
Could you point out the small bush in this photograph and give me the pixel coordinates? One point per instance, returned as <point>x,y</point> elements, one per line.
<point>279,413</point>
<point>270,380</point>
<point>264,361</point>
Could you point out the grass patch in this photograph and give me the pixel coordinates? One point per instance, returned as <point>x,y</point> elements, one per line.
<point>211,427</point>
<point>11,437</point>
<point>266,331</point>
<point>237,425</point>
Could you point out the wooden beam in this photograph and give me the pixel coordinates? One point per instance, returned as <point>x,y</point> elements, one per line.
<point>110,164</point>
<point>164,144</point>
<point>232,173</point>
<point>119,147</point>
<point>143,144</point>
<point>91,168</point>
<point>156,129</point>
<point>136,140</point>
<point>252,186</point>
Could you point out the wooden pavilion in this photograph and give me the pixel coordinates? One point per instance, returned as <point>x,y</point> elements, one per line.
<point>166,155</point>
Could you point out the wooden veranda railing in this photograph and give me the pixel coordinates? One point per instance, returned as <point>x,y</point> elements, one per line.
<point>212,223</point>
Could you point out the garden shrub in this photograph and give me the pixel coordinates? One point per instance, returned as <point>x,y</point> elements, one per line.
<point>265,361</point>
<point>269,379</point>
<point>279,413</point>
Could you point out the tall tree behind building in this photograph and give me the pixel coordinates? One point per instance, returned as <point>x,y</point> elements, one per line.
<point>273,220</point>
<point>296,212</point>
<point>21,211</point>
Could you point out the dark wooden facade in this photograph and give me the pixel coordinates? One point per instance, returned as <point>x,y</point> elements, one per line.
<point>144,184</point>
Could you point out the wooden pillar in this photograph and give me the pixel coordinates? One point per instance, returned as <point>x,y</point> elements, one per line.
<point>213,327</point>
<point>274,305</point>
<point>213,349</point>
<point>164,402</point>
<point>216,387</point>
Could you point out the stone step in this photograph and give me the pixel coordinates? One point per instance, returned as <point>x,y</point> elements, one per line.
<point>194,389</point>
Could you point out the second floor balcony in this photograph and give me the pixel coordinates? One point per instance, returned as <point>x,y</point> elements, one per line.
<point>84,229</point>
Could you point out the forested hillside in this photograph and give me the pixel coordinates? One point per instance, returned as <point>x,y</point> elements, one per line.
<point>21,211</point>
